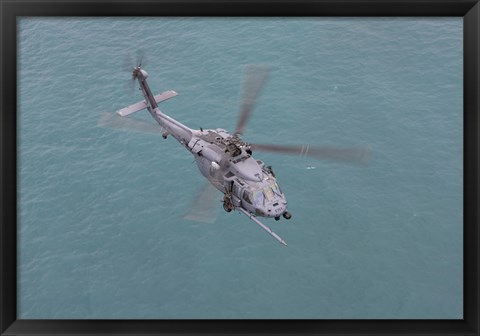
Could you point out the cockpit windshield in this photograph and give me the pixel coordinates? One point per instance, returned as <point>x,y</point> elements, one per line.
<point>276,188</point>
<point>259,196</point>
<point>268,192</point>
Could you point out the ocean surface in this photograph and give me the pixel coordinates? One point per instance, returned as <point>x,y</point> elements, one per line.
<point>101,225</point>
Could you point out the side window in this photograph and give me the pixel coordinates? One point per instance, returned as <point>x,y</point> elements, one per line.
<point>234,188</point>
<point>237,189</point>
<point>246,196</point>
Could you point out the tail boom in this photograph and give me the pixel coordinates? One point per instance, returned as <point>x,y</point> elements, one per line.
<point>179,131</point>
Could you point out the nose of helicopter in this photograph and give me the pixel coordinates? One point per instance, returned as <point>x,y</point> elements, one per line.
<point>275,209</point>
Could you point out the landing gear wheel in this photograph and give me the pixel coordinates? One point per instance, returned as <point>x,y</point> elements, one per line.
<point>226,208</point>
<point>227,203</point>
<point>287,215</point>
<point>277,218</point>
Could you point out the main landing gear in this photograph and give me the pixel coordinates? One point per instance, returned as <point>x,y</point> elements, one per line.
<point>227,203</point>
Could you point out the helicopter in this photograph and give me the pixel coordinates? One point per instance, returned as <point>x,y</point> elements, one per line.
<point>248,185</point>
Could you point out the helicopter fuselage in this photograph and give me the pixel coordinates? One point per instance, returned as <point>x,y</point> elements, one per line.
<point>225,161</point>
<point>246,182</point>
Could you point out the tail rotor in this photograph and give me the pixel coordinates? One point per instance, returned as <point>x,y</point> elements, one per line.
<point>133,64</point>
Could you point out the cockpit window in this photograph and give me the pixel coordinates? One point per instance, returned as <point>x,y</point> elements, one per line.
<point>246,197</point>
<point>276,188</point>
<point>268,192</point>
<point>258,197</point>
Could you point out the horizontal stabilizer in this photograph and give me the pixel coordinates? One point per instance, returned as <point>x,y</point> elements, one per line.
<point>132,108</point>
<point>141,105</point>
<point>165,95</point>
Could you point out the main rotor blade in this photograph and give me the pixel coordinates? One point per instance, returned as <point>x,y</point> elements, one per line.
<point>113,121</point>
<point>205,206</point>
<point>360,156</point>
<point>255,78</point>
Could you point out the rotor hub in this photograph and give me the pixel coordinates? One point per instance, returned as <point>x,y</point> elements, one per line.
<point>235,144</point>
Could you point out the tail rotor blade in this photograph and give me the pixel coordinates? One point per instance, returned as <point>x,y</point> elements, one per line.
<point>128,63</point>
<point>359,156</point>
<point>141,59</point>
<point>255,78</point>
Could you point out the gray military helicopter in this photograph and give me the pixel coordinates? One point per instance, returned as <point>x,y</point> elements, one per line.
<point>225,160</point>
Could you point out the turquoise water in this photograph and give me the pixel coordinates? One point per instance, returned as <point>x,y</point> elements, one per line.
<point>102,232</point>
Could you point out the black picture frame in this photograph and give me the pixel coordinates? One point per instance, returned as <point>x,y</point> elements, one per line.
<point>10,10</point>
